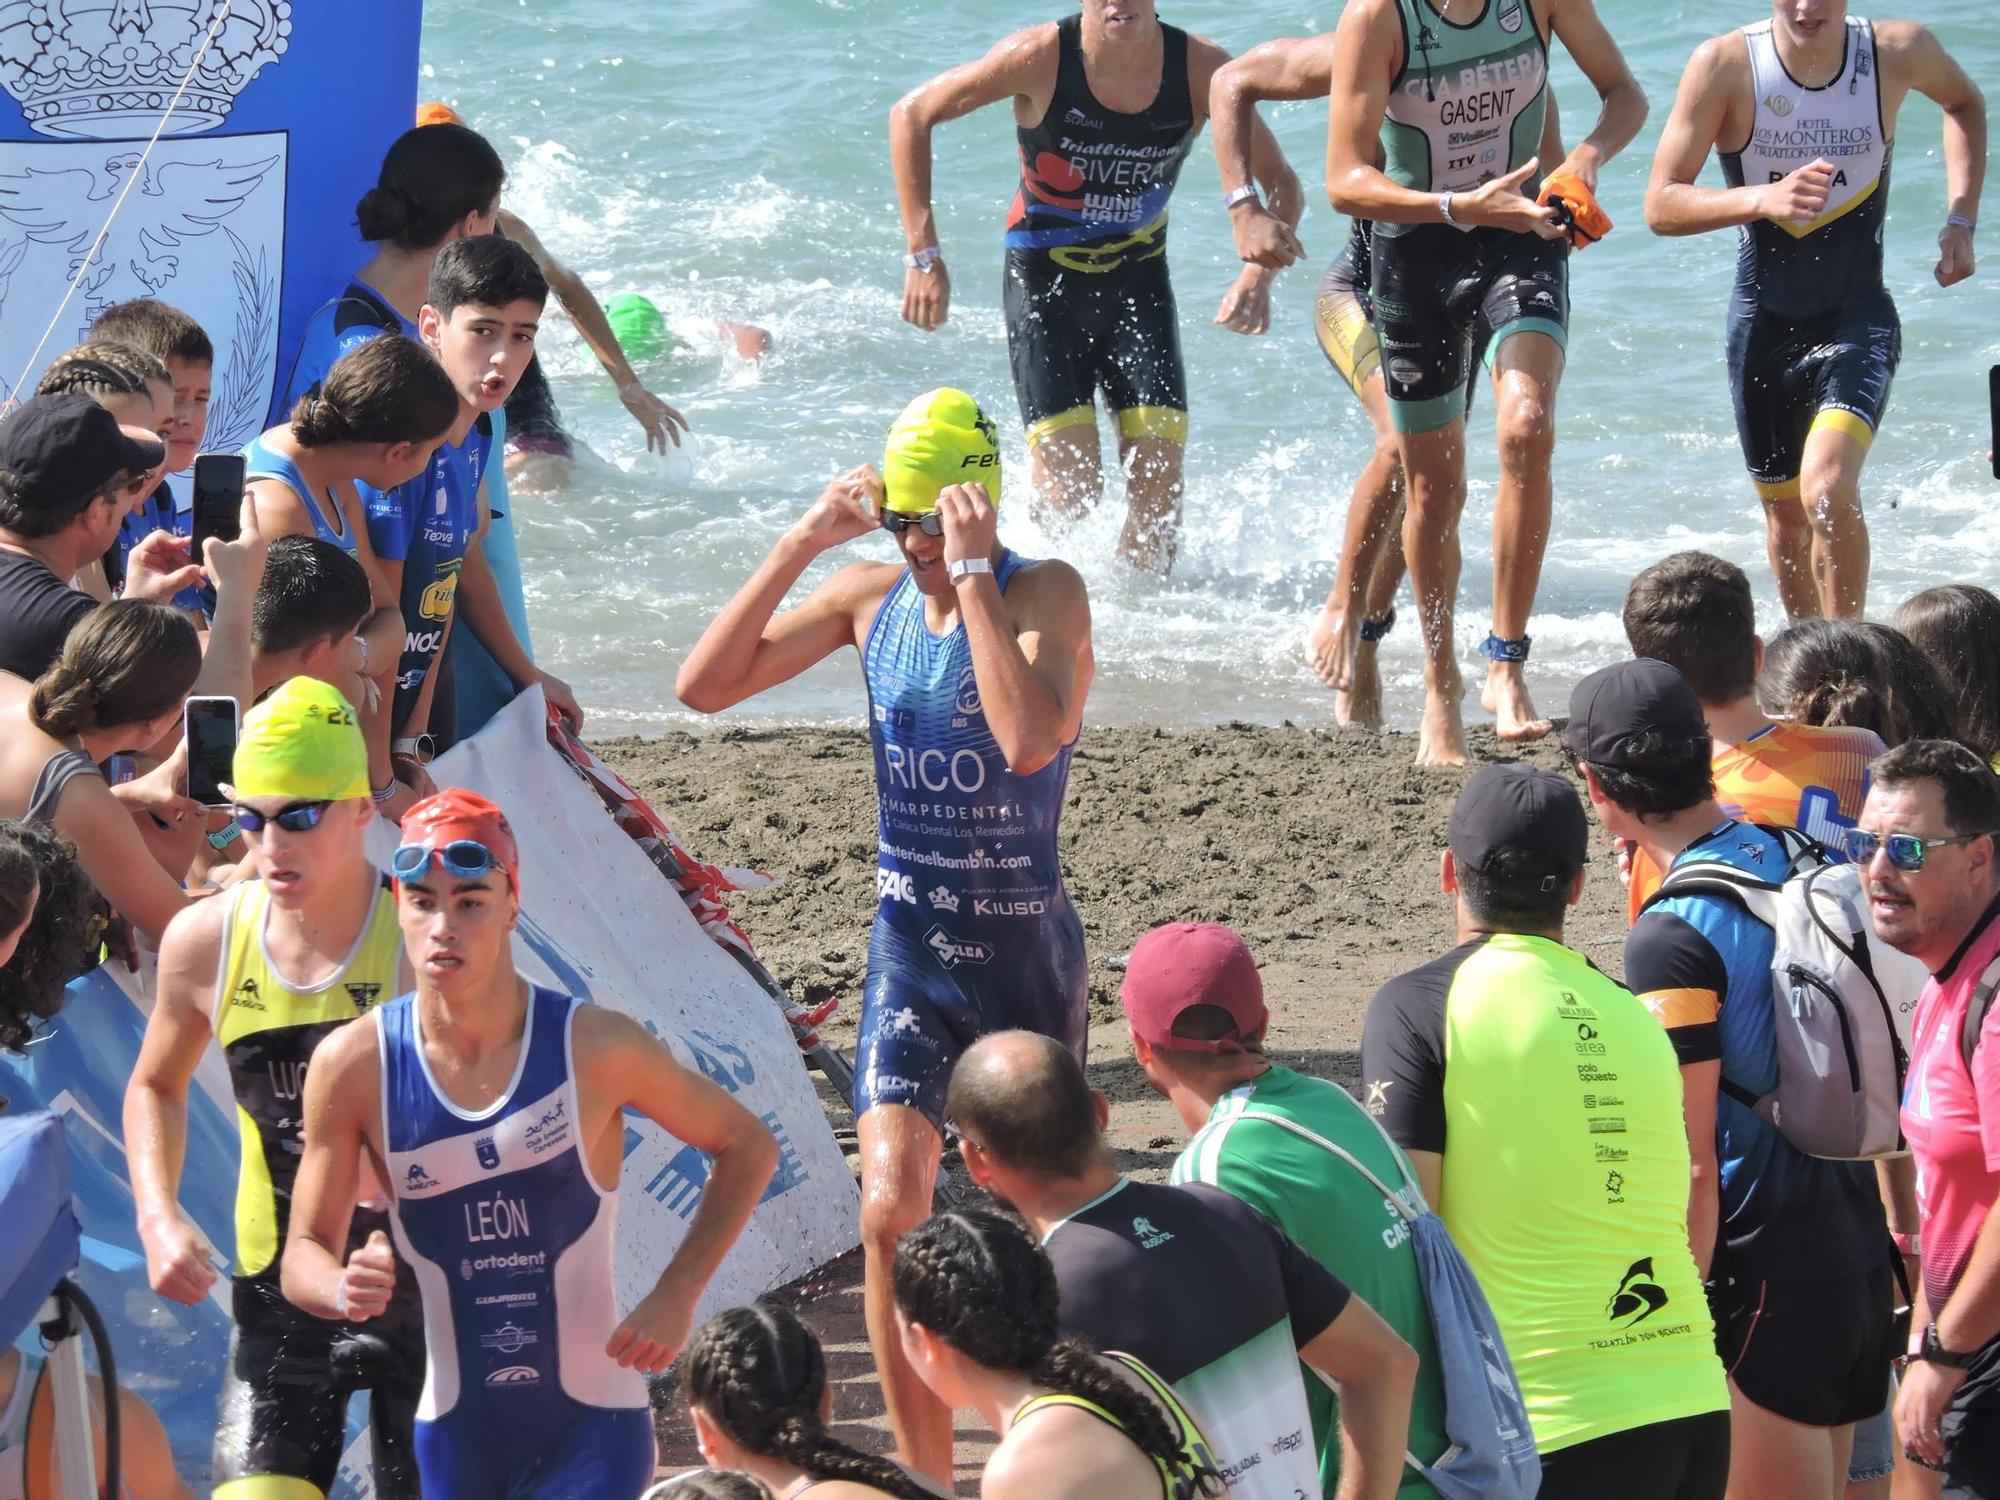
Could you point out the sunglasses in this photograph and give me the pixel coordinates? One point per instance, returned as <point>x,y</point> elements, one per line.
<point>468,859</point>
<point>1906,851</point>
<point>930,523</point>
<point>299,817</point>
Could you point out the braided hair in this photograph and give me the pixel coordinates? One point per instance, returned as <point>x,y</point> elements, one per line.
<point>760,1375</point>
<point>976,1280</point>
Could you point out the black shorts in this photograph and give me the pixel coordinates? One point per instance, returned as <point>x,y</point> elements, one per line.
<point>283,1408</point>
<point>1073,333</point>
<point>1441,293</point>
<point>1816,1352</point>
<point>1972,1432</point>
<point>1686,1459</point>
<point>1788,376</point>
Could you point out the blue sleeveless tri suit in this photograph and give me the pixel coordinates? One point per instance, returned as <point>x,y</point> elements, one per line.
<point>512,1241</point>
<point>974,931</point>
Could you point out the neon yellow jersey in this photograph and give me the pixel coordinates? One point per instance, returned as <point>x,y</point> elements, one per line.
<point>1555,1099</point>
<point>268,1031</point>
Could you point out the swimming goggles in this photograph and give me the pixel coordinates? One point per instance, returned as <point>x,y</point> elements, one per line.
<point>468,859</point>
<point>1906,850</point>
<point>298,817</point>
<point>930,523</point>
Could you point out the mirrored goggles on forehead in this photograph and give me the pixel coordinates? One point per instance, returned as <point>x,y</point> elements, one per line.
<point>930,523</point>
<point>468,859</point>
<point>298,817</point>
<point>1906,851</point>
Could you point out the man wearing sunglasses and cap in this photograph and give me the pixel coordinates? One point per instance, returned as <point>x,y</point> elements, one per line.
<point>976,662</point>
<point>1540,1107</point>
<point>494,1110</point>
<point>270,971</point>
<point>1795,1248</point>
<point>1926,849</point>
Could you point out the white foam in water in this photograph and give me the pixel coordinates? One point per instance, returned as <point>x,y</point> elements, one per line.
<point>732,163</point>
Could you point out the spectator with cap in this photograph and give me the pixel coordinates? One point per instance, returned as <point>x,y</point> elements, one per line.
<point>1195,1006</point>
<point>1190,1280</point>
<point>1929,864</point>
<point>1796,1249</point>
<point>1540,1107</point>
<point>64,466</point>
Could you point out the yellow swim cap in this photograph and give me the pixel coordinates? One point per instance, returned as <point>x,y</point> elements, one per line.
<point>942,438</point>
<point>304,741</point>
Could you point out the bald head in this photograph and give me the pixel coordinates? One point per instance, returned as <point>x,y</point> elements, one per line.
<point>1022,1098</point>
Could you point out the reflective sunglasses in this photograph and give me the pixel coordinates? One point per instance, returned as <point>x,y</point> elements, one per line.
<point>299,817</point>
<point>1906,850</point>
<point>468,859</point>
<point>930,523</point>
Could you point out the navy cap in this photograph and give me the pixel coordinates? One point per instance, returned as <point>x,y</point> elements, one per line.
<point>58,453</point>
<point>1522,809</point>
<point>1611,708</point>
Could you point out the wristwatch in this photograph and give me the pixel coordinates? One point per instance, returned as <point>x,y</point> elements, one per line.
<point>924,259</point>
<point>1937,1354</point>
<point>421,748</point>
<point>965,567</point>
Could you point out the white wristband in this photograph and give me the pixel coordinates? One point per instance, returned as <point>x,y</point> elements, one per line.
<point>924,259</point>
<point>1245,194</point>
<point>965,567</point>
<point>340,1298</point>
<point>1444,208</point>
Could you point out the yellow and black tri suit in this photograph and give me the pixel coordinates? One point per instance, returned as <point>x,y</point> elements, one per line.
<point>282,1416</point>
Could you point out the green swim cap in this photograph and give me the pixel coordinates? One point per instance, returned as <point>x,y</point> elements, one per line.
<point>942,438</point>
<point>640,326</point>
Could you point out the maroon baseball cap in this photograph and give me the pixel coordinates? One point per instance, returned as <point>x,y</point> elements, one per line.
<point>1185,964</point>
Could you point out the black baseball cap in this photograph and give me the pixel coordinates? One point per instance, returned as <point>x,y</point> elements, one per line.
<point>59,452</point>
<point>1514,807</point>
<point>1612,707</point>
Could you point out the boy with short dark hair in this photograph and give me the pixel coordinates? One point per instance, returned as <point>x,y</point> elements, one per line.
<point>480,318</point>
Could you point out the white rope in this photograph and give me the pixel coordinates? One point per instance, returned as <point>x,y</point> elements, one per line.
<point>131,181</point>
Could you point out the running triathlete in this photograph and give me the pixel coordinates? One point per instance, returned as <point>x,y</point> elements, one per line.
<point>269,972</point>
<point>977,662</point>
<point>1450,95</point>
<point>1360,608</point>
<point>1802,108</point>
<point>1106,108</point>
<point>492,1109</point>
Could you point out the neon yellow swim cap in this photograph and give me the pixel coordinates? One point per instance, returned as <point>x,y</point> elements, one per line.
<point>303,741</point>
<point>942,438</point>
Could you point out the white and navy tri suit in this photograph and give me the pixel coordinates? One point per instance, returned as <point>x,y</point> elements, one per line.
<point>512,1242</point>
<point>973,931</point>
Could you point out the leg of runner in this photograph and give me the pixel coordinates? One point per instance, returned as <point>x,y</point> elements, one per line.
<point>1830,488</point>
<point>1434,466</point>
<point>900,1150</point>
<point>1152,532</point>
<point>1789,543</point>
<point>1527,368</point>
<point>1369,572</point>
<point>1067,472</point>
<point>1361,704</point>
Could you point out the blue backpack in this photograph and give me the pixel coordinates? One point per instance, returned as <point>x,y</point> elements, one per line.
<point>1492,1454</point>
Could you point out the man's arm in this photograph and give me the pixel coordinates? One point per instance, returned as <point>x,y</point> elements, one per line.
<point>1699,1085</point>
<point>1915,57</point>
<point>1581,30</point>
<point>1376,1375</point>
<point>620,1062</point>
<point>235,568</point>
<point>1017,65</point>
<point>178,1259</point>
<point>342,1099</point>
<point>661,421</point>
<point>1033,665</point>
<point>750,646</point>
<point>1715,77</point>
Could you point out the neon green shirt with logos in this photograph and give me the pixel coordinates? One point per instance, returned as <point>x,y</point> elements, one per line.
<point>1336,1216</point>
<point>1555,1099</point>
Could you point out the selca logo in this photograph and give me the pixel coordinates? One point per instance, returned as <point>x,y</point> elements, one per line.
<point>952,951</point>
<point>515,1375</point>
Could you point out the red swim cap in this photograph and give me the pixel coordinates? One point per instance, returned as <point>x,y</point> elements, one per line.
<point>459,814</point>
<point>438,114</point>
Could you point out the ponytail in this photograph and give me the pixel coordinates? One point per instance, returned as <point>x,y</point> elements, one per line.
<point>760,1375</point>
<point>432,177</point>
<point>63,704</point>
<point>976,1280</point>
<point>389,390</point>
<point>128,662</point>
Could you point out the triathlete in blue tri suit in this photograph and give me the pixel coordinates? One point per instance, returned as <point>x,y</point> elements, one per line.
<point>493,1109</point>
<point>977,662</point>
<point>1801,106</point>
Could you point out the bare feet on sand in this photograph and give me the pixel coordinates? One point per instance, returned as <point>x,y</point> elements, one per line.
<point>1441,739</point>
<point>1347,664</point>
<point>1505,696</point>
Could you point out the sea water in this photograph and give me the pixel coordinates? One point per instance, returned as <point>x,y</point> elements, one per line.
<point>729,159</point>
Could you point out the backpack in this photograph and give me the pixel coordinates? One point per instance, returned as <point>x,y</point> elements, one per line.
<point>1841,999</point>
<point>1492,1454</point>
<point>1975,1014</point>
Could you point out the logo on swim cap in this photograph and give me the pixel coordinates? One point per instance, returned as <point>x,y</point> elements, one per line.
<point>941,438</point>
